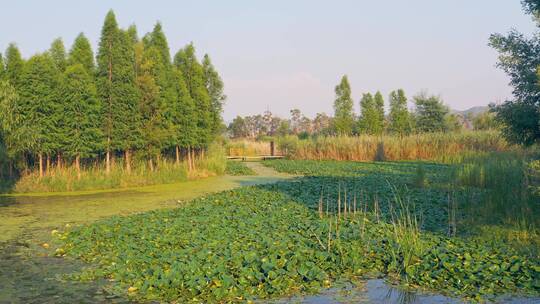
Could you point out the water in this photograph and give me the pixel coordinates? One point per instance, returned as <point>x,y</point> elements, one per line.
<point>378,291</point>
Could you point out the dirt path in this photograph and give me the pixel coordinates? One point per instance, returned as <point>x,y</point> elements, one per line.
<point>29,273</point>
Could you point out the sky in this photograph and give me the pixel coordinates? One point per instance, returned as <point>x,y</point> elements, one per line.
<point>278,55</point>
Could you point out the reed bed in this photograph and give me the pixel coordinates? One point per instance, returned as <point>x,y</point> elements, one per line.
<point>428,146</point>
<point>245,147</point>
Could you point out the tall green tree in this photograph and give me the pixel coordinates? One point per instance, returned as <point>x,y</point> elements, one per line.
<point>519,57</point>
<point>157,47</point>
<point>399,116</point>
<point>81,114</point>
<point>14,65</point>
<point>430,113</point>
<point>193,72</point>
<point>155,129</point>
<point>132,34</point>
<point>372,114</point>
<point>2,67</point>
<point>182,117</point>
<point>58,54</point>
<point>40,105</point>
<point>13,129</point>
<point>117,91</point>
<point>214,86</point>
<point>158,40</point>
<point>81,53</point>
<point>343,108</point>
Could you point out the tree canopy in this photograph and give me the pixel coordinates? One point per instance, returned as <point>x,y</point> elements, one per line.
<point>519,58</point>
<point>343,108</point>
<point>430,113</point>
<point>399,117</point>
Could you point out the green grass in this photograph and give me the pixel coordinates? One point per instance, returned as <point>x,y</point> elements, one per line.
<point>237,168</point>
<point>344,220</point>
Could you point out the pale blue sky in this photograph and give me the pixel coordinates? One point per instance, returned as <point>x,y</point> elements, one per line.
<point>285,54</point>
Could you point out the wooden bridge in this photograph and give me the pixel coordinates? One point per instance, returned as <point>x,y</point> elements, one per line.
<point>255,158</point>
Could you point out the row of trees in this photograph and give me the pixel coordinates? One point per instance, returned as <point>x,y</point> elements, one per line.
<point>270,125</point>
<point>132,99</point>
<point>430,115</point>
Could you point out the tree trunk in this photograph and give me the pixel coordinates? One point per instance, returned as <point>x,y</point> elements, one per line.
<point>108,157</point>
<point>193,159</point>
<point>78,166</point>
<point>48,163</point>
<point>10,169</point>
<point>202,153</point>
<point>59,160</point>
<point>128,161</point>
<point>40,164</point>
<point>189,158</point>
<point>177,150</point>
<point>151,164</point>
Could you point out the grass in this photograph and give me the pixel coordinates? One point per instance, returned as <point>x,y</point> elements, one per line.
<point>428,146</point>
<point>95,177</point>
<point>343,220</point>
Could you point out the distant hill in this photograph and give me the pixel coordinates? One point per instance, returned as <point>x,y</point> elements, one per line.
<point>466,115</point>
<point>472,111</point>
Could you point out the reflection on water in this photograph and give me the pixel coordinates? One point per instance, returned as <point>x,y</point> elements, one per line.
<point>377,291</point>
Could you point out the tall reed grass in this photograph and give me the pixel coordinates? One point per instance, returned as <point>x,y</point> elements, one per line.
<point>428,146</point>
<point>244,147</point>
<point>501,196</point>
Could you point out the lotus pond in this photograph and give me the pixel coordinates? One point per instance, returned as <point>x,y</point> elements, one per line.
<point>427,226</point>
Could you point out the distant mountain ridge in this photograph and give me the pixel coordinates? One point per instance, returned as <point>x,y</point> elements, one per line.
<point>466,116</point>
<point>472,111</point>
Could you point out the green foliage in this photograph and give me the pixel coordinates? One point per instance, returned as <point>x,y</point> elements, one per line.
<point>343,108</point>
<point>399,117</point>
<point>117,89</point>
<point>58,54</point>
<point>532,7</point>
<point>372,119</point>
<point>155,130</point>
<point>214,86</point>
<point>238,127</point>
<point>430,113</point>
<point>81,113</point>
<point>275,240</point>
<point>14,64</point>
<point>39,104</point>
<point>11,127</point>
<point>519,58</point>
<point>183,113</point>
<point>452,122</point>
<point>485,121</point>
<point>193,73</point>
<point>2,68</point>
<point>81,53</point>
<point>238,168</point>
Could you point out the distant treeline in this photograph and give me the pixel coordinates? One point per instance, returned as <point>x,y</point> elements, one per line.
<point>131,100</point>
<point>430,115</point>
